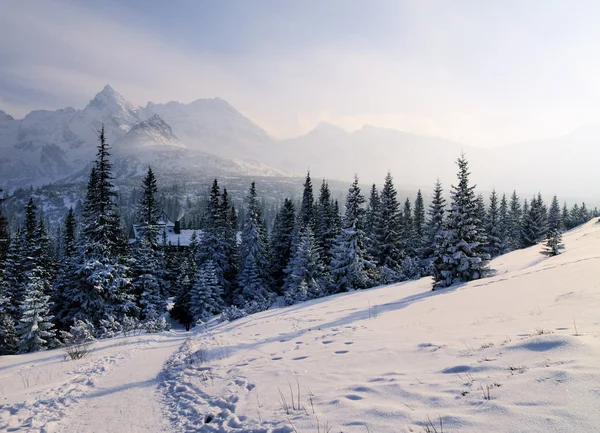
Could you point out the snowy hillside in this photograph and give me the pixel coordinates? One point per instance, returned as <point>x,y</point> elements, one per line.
<point>514,352</point>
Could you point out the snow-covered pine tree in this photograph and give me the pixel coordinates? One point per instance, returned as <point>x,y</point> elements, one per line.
<point>13,275</point>
<point>535,223</point>
<point>513,223</point>
<point>388,232</point>
<point>36,330</point>
<point>253,281</point>
<point>229,230</point>
<point>305,266</point>
<point>327,225</point>
<point>494,246</point>
<point>282,242</point>
<point>148,208</point>
<point>419,224</point>
<point>351,266</point>
<point>503,224</point>
<point>306,213</point>
<point>188,270</point>
<point>147,285</point>
<point>553,242</point>
<point>4,234</point>
<point>213,246</point>
<point>565,217</point>
<point>8,335</point>
<point>206,293</point>
<point>434,232</point>
<point>463,258</point>
<point>101,292</point>
<point>373,211</point>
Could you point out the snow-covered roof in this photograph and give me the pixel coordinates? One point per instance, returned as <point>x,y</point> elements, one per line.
<point>167,231</point>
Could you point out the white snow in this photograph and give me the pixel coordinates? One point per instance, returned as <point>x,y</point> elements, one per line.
<point>388,359</point>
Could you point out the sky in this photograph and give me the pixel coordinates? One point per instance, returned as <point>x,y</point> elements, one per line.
<point>485,73</point>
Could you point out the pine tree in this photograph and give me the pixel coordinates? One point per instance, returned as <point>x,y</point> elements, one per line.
<point>305,267</point>
<point>148,208</point>
<point>503,224</point>
<point>65,280</point>
<point>35,328</point>
<point>206,296</point>
<point>8,334</point>
<point>147,285</point>
<point>462,256</point>
<point>553,242</point>
<point>387,232</point>
<point>494,246</point>
<point>69,247</point>
<point>565,218</point>
<point>513,224</point>
<point>282,242</point>
<point>535,223</point>
<point>13,275</point>
<point>306,215</point>
<point>351,265</point>
<point>327,226</point>
<point>254,281</point>
<point>214,245</point>
<point>434,232</point>
<point>101,291</point>
<point>4,235</point>
<point>419,223</point>
<point>373,212</point>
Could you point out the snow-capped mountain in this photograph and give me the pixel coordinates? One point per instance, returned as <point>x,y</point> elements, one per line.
<point>47,145</point>
<point>214,126</point>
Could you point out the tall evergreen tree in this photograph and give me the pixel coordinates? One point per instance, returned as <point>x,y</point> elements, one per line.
<point>553,242</point>
<point>351,265</point>
<point>419,222</point>
<point>535,223</point>
<point>229,232</point>
<point>462,256</point>
<point>305,272</point>
<point>434,232</point>
<point>388,230</point>
<point>35,328</point>
<point>148,208</point>
<point>503,224</point>
<point>495,245</point>
<point>4,235</point>
<point>306,216</point>
<point>282,242</point>
<point>327,225</point>
<point>513,224</point>
<point>206,297</point>
<point>409,238</point>
<point>254,281</point>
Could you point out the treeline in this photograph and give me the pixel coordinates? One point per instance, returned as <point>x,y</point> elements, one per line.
<point>98,284</point>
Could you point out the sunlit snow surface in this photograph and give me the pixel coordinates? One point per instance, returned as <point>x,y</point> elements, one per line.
<point>394,358</point>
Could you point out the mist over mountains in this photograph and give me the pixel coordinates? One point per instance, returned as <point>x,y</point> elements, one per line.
<point>209,137</point>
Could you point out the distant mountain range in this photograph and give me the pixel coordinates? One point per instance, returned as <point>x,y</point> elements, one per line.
<point>211,138</point>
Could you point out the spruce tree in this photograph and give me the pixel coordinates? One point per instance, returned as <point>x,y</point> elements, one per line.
<point>419,223</point>
<point>535,223</point>
<point>305,267</point>
<point>408,231</point>
<point>148,208</point>
<point>513,224</point>
<point>206,294</point>
<point>35,329</point>
<point>306,215</point>
<point>494,246</point>
<point>388,229</point>
<point>434,232</point>
<point>351,266</point>
<point>229,230</point>
<point>282,242</point>
<point>503,224</point>
<point>253,281</point>
<point>101,291</point>
<point>553,242</point>
<point>327,225</point>
<point>4,235</point>
<point>463,258</point>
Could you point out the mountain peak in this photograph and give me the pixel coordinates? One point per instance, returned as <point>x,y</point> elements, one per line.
<point>5,116</point>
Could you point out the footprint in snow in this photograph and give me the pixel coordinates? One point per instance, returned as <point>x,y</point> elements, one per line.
<point>299,358</point>
<point>340,352</point>
<point>276,358</point>
<point>349,342</point>
<point>327,342</point>
<point>354,397</point>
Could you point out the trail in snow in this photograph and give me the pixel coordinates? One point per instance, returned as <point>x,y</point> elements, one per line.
<point>111,390</point>
<point>125,399</point>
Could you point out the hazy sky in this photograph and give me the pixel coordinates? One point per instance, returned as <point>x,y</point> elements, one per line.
<point>482,72</point>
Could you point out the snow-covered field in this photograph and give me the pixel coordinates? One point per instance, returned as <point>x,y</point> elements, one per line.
<point>515,352</point>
